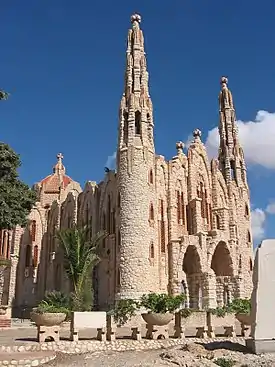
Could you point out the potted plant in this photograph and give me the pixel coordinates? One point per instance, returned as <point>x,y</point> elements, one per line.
<point>161,307</point>
<point>242,308</point>
<point>52,310</point>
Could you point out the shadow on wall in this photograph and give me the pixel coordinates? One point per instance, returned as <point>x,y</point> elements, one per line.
<point>28,287</point>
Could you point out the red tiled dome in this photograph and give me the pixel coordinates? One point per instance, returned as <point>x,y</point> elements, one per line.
<point>57,179</point>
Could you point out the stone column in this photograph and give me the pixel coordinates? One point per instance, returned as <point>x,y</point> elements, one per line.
<point>13,269</point>
<point>210,299</point>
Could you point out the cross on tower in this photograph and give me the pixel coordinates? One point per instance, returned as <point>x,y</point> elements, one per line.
<point>59,157</point>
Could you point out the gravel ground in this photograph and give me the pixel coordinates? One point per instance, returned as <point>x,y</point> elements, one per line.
<point>186,355</point>
<point>112,359</point>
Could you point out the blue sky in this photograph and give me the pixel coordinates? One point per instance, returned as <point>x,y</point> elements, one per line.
<point>63,63</point>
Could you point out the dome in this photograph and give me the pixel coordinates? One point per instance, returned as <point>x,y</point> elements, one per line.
<point>58,179</point>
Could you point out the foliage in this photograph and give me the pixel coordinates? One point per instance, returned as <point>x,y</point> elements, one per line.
<point>55,302</point>
<point>16,198</point>
<point>5,262</point>
<point>238,305</point>
<point>223,362</point>
<point>219,311</point>
<point>186,312</point>
<point>124,310</point>
<point>3,95</point>
<point>161,303</point>
<point>81,255</point>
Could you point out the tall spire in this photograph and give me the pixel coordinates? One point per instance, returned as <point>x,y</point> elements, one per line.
<point>231,156</point>
<point>136,110</point>
<point>136,78</point>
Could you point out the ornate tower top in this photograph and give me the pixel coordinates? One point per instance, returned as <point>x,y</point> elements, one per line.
<point>225,97</point>
<point>136,110</point>
<point>135,18</point>
<point>136,91</point>
<point>231,156</point>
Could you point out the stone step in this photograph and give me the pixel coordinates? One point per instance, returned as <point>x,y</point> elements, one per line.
<point>26,359</point>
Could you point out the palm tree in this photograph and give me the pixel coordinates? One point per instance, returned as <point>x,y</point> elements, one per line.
<point>81,254</point>
<point>3,94</point>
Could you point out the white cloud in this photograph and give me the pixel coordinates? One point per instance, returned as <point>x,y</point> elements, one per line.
<point>257,139</point>
<point>111,161</point>
<point>270,209</point>
<point>258,223</point>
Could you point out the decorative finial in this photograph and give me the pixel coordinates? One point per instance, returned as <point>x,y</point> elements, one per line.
<point>179,147</point>
<point>135,18</point>
<point>224,81</point>
<point>59,157</point>
<point>197,133</point>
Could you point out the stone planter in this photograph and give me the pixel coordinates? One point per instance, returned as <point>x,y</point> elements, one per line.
<point>243,318</point>
<point>134,323</point>
<point>48,319</point>
<point>245,321</point>
<point>227,323</point>
<point>158,319</point>
<point>197,319</point>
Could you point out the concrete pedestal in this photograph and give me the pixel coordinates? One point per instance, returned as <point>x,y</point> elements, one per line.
<point>260,346</point>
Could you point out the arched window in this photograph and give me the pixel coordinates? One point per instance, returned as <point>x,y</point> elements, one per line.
<point>28,256</point>
<point>246,210</point>
<point>35,256</point>
<point>232,170</point>
<point>118,200</point>
<point>125,127</point>
<point>152,251</point>
<point>151,215</point>
<point>218,223</point>
<point>248,236</point>
<point>137,123</point>
<point>162,227</point>
<point>250,265</point>
<point>180,208</point>
<point>151,178</point>
<point>33,230</point>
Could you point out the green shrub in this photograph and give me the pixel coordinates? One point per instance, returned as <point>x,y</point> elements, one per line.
<point>223,362</point>
<point>186,312</point>
<point>124,310</point>
<point>240,305</point>
<point>161,303</point>
<point>55,302</point>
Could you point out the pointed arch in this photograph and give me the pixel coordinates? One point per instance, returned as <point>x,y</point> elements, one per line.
<point>151,212</point>
<point>137,123</point>
<point>222,263</point>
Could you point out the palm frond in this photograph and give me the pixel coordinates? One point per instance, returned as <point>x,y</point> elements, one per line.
<point>81,253</point>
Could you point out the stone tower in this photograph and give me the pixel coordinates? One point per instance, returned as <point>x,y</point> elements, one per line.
<point>232,165</point>
<point>135,160</point>
<point>231,155</point>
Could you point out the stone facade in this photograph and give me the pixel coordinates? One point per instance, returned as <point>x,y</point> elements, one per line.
<point>179,225</point>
